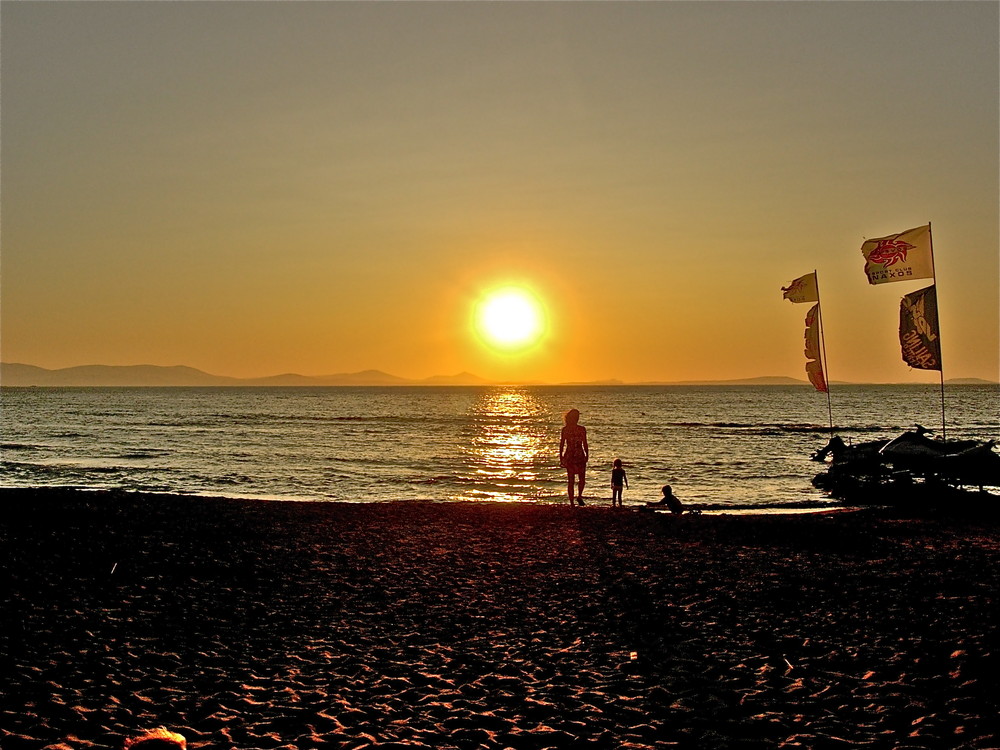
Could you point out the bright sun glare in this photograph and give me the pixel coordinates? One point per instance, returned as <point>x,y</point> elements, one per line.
<point>510,319</point>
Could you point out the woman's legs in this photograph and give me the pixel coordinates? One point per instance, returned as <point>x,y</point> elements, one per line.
<point>569,484</point>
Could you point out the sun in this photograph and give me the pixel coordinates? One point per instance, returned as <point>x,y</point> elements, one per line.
<point>510,319</point>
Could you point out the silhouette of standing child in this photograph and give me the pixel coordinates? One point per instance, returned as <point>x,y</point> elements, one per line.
<point>618,479</point>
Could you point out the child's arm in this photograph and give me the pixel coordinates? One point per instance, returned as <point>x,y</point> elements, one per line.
<point>625,477</point>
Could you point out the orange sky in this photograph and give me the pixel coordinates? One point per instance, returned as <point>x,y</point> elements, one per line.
<point>258,188</point>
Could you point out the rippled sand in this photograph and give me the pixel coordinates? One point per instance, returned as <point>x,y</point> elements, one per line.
<point>264,625</point>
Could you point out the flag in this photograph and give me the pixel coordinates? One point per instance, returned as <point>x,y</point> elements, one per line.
<point>814,371</point>
<point>803,289</point>
<point>899,257</point>
<point>806,289</point>
<point>812,333</point>
<point>919,333</point>
<point>814,363</point>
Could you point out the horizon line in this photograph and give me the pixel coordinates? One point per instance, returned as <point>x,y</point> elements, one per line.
<point>371,378</point>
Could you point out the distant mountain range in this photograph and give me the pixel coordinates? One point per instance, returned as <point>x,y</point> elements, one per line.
<point>15,374</point>
<point>154,375</point>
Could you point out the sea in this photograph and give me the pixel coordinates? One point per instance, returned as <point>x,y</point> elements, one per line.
<point>717,446</point>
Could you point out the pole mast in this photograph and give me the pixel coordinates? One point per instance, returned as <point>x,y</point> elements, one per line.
<point>944,424</point>
<point>822,343</point>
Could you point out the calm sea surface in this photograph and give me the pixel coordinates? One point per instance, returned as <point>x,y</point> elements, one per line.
<point>732,446</point>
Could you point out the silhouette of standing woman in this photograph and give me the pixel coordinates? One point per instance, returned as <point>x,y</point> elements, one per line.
<point>574,452</point>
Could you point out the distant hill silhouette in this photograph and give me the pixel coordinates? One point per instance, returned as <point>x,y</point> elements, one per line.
<point>108,375</point>
<point>15,374</point>
<point>767,380</point>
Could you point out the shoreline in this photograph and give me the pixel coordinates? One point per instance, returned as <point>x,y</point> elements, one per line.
<point>254,624</point>
<point>713,508</point>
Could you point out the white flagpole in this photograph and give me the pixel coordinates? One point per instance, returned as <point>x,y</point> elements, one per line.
<point>822,343</point>
<point>930,241</point>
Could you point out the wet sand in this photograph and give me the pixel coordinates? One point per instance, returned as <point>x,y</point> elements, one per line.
<point>245,624</point>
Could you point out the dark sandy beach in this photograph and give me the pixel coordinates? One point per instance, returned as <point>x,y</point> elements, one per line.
<point>263,625</point>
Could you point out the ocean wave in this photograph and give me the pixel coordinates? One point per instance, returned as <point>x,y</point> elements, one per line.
<point>234,479</point>
<point>58,470</point>
<point>441,479</point>
<point>772,427</point>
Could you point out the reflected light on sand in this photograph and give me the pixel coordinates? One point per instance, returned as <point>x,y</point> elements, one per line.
<point>508,448</point>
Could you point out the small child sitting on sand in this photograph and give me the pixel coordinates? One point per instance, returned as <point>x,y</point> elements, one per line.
<point>670,500</point>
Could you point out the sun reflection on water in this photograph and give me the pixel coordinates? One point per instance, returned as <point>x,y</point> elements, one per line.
<point>508,451</point>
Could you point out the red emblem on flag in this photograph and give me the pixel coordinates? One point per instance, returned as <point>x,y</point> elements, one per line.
<point>794,288</point>
<point>890,252</point>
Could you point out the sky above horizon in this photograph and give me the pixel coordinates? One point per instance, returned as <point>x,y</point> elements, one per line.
<point>254,188</point>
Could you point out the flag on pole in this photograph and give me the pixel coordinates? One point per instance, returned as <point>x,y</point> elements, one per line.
<point>814,371</point>
<point>919,332</point>
<point>806,289</point>
<point>899,257</point>
<point>814,363</point>
<point>803,289</point>
<point>812,333</point>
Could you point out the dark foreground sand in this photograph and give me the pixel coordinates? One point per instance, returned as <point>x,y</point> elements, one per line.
<point>295,625</point>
